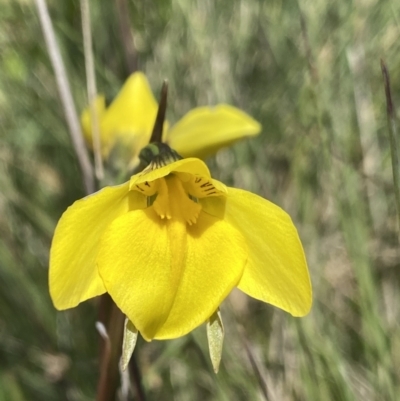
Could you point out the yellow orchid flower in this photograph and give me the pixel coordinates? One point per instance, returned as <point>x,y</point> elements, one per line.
<point>130,119</point>
<point>170,244</point>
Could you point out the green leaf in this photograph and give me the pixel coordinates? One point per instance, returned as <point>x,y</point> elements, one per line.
<point>215,336</point>
<point>129,342</point>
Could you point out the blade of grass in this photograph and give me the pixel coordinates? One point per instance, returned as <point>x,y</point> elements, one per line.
<point>91,88</point>
<point>131,58</point>
<point>394,144</point>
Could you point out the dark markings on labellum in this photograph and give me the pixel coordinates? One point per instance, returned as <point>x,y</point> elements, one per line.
<point>207,184</point>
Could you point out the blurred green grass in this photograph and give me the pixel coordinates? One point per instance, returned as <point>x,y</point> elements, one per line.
<point>309,72</point>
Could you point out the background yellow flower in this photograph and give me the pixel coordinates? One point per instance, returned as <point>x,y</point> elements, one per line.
<point>130,119</point>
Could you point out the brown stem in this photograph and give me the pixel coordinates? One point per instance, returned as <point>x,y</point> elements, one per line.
<point>136,377</point>
<point>111,351</point>
<point>156,135</point>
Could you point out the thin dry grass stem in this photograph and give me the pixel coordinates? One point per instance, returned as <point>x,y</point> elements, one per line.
<point>126,35</point>
<point>372,159</point>
<point>261,379</point>
<point>66,95</point>
<point>394,144</point>
<point>91,87</point>
<point>316,85</point>
<point>307,47</point>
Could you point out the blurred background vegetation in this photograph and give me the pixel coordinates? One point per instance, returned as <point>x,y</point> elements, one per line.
<point>309,71</point>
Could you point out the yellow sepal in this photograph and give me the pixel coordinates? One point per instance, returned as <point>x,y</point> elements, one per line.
<point>276,271</point>
<point>204,130</point>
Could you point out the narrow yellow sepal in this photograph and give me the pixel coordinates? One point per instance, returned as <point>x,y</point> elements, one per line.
<point>129,119</point>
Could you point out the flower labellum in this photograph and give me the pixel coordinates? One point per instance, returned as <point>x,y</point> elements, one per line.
<point>170,244</point>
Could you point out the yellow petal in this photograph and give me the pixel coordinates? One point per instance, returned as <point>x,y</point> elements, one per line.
<point>166,277</point>
<point>204,130</point>
<point>86,120</point>
<point>131,115</point>
<point>276,271</point>
<point>216,256</point>
<point>191,166</point>
<point>73,275</point>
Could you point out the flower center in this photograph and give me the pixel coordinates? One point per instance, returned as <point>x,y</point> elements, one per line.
<point>170,200</point>
<point>177,188</point>
<point>174,202</point>
<point>179,196</point>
